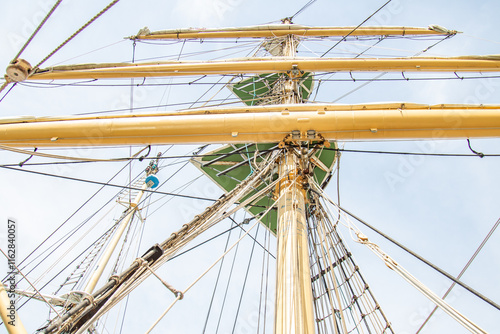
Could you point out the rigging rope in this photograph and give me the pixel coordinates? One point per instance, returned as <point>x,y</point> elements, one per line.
<point>55,156</point>
<point>227,285</point>
<point>108,184</point>
<point>179,190</point>
<point>7,81</point>
<point>267,235</point>
<point>37,29</point>
<point>202,243</point>
<point>29,282</point>
<point>88,83</point>
<point>124,244</point>
<point>89,52</point>
<point>302,9</point>
<point>384,73</point>
<point>456,155</point>
<point>267,278</point>
<point>356,28</point>
<point>225,215</point>
<point>225,85</point>
<point>63,269</point>
<point>246,277</point>
<point>433,266</point>
<point>473,257</point>
<point>136,255</point>
<point>73,214</point>
<point>132,158</point>
<point>132,86</point>
<point>201,276</point>
<point>254,239</point>
<point>171,79</point>
<point>4,85</point>
<point>357,56</point>
<point>216,284</point>
<point>77,32</point>
<point>114,291</point>
<point>362,239</point>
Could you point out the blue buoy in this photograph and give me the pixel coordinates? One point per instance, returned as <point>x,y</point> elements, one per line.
<point>152,181</point>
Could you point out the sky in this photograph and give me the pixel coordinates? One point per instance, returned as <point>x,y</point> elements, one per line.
<point>440,207</point>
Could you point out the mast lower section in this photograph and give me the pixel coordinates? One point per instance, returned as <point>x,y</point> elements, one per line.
<point>294,302</point>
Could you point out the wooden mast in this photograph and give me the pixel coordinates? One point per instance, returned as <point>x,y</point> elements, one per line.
<point>294,301</point>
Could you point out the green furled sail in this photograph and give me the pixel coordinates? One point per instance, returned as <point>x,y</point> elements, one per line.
<point>228,165</point>
<point>266,88</point>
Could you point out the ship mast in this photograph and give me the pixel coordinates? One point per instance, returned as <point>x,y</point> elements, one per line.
<point>149,182</point>
<point>294,301</point>
<point>294,297</point>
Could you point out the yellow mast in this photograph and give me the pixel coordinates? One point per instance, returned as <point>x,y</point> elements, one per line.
<point>294,301</point>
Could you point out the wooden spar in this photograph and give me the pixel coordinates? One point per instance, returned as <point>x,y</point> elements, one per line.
<point>268,65</point>
<point>279,30</point>
<point>318,107</point>
<point>256,127</point>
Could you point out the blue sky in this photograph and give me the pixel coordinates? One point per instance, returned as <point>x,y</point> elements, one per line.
<point>440,207</point>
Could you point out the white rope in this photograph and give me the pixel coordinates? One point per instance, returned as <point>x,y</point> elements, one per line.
<point>324,241</point>
<point>71,247</point>
<point>141,275</point>
<point>200,277</point>
<point>27,280</point>
<point>482,39</point>
<point>55,156</point>
<point>361,238</point>
<point>213,264</point>
<point>333,251</point>
<point>176,292</point>
<point>472,327</point>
